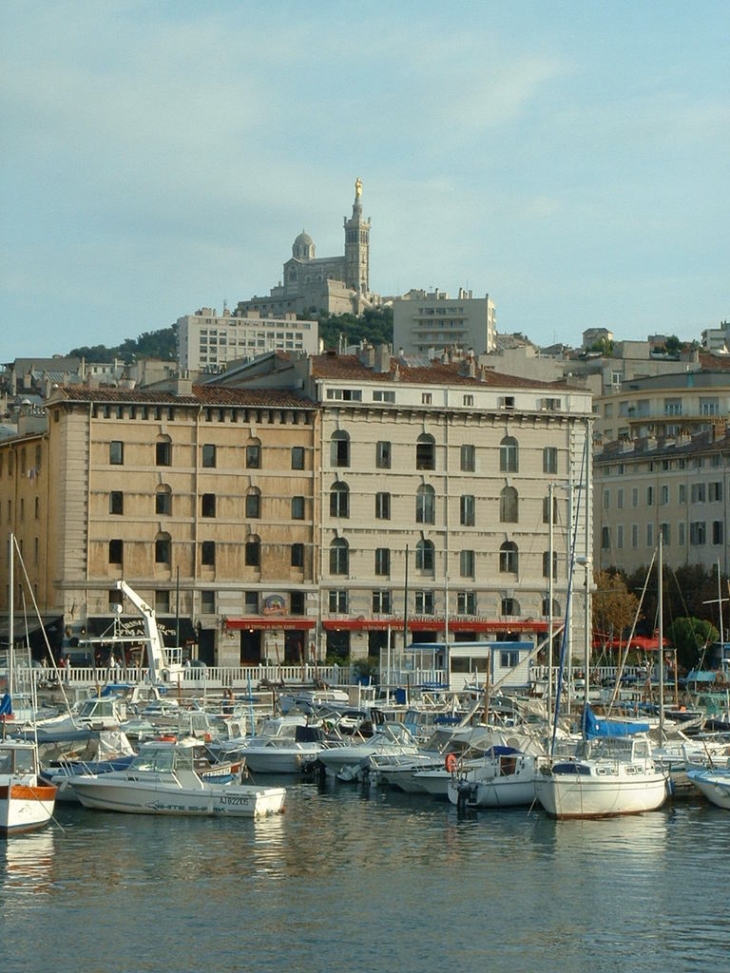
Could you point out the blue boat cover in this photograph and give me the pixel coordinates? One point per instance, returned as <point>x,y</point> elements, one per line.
<point>594,727</point>
<point>6,705</point>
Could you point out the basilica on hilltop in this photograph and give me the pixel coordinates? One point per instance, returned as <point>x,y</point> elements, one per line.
<point>310,283</point>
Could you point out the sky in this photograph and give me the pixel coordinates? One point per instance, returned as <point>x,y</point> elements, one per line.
<point>569,158</point>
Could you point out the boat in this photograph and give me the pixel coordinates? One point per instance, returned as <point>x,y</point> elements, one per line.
<point>614,774</point>
<point>26,803</point>
<point>504,777</point>
<point>713,783</point>
<point>348,762</point>
<point>108,750</point>
<point>164,779</point>
<point>282,755</point>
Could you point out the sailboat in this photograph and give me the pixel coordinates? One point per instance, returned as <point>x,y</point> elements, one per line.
<point>613,773</point>
<point>26,803</point>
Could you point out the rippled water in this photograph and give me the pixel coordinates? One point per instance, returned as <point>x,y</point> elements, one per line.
<point>353,880</point>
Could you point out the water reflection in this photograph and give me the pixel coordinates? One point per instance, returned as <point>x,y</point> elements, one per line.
<point>26,864</point>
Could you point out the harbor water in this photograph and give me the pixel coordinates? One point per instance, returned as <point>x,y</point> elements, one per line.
<point>353,878</point>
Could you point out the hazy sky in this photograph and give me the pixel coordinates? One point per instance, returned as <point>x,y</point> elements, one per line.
<point>571,159</point>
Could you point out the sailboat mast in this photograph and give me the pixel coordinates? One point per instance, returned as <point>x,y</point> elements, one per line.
<point>660,633</point>
<point>11,615</point>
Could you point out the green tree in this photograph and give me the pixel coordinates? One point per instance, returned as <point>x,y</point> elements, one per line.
<point>691,637</point>
<point>672,345</point>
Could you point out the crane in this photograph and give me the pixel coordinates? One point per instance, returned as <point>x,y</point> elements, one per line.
<point>161,669</point>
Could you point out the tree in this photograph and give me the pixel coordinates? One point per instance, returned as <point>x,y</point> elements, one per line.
<point>375,326</point>
<point>672,345</point>
<point>691,637</point>
<point>614,606</point>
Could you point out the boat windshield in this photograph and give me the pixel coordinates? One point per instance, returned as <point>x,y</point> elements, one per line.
<point>156,759</point>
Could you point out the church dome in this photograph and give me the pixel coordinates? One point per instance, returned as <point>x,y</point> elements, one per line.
<point>303,247</point>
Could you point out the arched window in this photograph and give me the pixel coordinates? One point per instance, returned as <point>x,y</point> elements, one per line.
<point>163,500</point>
<point>510,606</point>
<point>508,558</point>
<point>509,455</point>
<point>425,504</point>
<point>163,451</point>
<point>508,506</point>
<point>253,454</point>
<point>425,452</point>
<point>340,449</point>
<point>339,556</point>
<point>163,549</point>
<point>546,608</point>
<point>252,550</point>
<point>253,503</point>
<point>339,500</point>
<point>425,556</point>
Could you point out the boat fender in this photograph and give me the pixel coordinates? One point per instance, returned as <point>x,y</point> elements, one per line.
<point>451,763</point>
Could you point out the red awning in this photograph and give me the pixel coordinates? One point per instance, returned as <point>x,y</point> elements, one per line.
<point>427,625</point>
<point>258,623</point>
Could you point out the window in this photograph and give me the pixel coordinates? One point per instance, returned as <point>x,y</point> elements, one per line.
<point>339,500</point>
<point>339,556</point>
<point>546,608</point>
<point>508,455</point>
<point>510,606</point>
<point>382,604</point>
<point>383,396</point>
<point>550,459</point>
<point>116,502</point>
<point>162,602</point>
<point>209,456</point>
<point>425,504</point>
<point>605,538</point>
<point>650,496</point>
<point>425,556</point>
<point>508,506</point>
<point>116,551</point>
<point>466,603</point>
<point>546,510</point>
<point>382,560</point>
<point>714,491</point>
<point>634,496</point>
<point>606,499</point>
<point>297,555</point>
<point>340,449</point>
<point>163,549</point>
<point>546,564</point>
<point>466,564</point>
<point>466,510</point>
<point>163,453</point>
<point>116,453</point>
<point>425,452</point>
<point>665,534</point>
<point>426,398</point>
<point>620,498</point>
<point>163,502</point>
<point>297,458</point>
<point>207,508</point>
<point>382,455</point>
<point>634,535</point>
<point>681,539</point>
<point>698,493</point>
<point>297,603</point>
<point>207,602</point>
<point>424,602</point>
<point>650,535</point>
<point>620,536</point>
<point>382,506</point>
<point>338,602</point>
<point>253,456</point>
<point>468,458</point>
<point>207,553</point>
<point>253,504</point>
<point>252,552</point>
<point>682,494</point>
<point>297,508</point>
<point>717,531</point>
<point>663,495</point>
<point>508,558</point>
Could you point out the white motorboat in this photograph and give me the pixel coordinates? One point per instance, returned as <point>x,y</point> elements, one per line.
<point>503,777</point>
<point>285,753</point>
<point>348,762</point>
<point>26,803</point>
<point>164,779</point>
<point>714,784</point>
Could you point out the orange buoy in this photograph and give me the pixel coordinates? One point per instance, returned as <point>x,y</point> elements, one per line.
<point>451,763</point>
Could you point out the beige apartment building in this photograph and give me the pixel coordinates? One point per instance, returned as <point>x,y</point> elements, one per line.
<point>677,487</point>
<point>429,323</point>
<point>307,506</point>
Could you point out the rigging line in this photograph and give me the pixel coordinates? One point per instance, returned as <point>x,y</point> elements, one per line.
<point>622,659</point>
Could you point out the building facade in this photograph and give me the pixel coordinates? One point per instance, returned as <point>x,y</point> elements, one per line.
<point>431,324</point>
<point>207,342</point>
<point>326,507</point>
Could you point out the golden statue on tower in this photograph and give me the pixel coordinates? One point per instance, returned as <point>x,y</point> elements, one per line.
<point>358,188</point>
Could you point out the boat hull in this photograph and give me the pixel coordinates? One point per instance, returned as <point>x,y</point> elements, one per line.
<point>578,795</point>
<point>25,807</point>
<point>714,785</point>
<point>104,794</point>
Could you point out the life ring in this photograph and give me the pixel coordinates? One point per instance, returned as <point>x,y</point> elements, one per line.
<point>451,763</point>
<point>167,739</point>
<point>720,678</point>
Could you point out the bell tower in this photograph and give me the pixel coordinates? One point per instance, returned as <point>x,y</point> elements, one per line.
<point>357,246</point>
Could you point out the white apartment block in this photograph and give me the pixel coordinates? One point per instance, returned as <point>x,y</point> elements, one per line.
<point>430,324</point>
<point>207,342</point>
